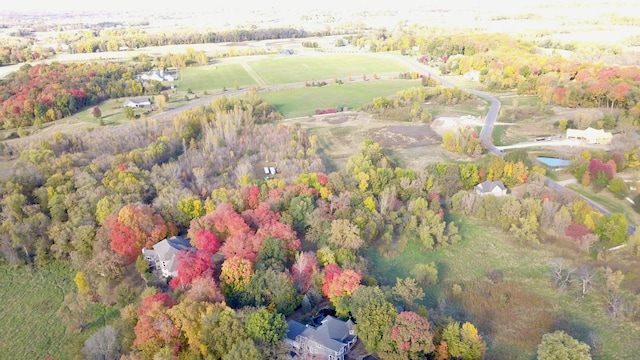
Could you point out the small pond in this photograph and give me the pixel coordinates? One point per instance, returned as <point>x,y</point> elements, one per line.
<point>554,162</point>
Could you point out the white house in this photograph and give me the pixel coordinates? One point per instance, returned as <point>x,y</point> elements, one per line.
<point>473,75</point>
<point>332,340</point>
<point>136,103</point>
<point>591,135</point>
<point>496,188</point>
<point>162,255</point>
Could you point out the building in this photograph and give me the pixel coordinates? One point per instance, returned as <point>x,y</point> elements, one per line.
<point>136,103</point>
<point>163,255</point>
<point>591,135</point>
<point>332,340</point>
<point>496,188</point>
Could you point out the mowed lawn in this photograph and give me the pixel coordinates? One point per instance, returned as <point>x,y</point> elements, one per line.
<point>525,269</point>
<point>305,101</point>
<point>30,299</point>
<point>214,77</point>
<point>287,70</point>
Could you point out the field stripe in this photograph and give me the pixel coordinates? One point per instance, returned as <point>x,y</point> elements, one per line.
<point>254,74</point>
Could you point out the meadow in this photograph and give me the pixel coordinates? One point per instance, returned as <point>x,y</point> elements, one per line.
<point>514,312</point>
<point>279,70</point>
<point>305,101</point>
<point>214,77</point>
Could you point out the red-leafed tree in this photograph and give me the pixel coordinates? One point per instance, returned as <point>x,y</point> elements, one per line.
<point>338,283</point>
<point>135,227</point>
<point>250,196</point>
<point>246,246</point>
<point>205,240</point>
<point>410,337</point>
<point>154,329</point>
<point>576,231</point>
<point>224,222</point>
<point>192,264</point>
<point>595,166</point>
<point>304,266</point>
<point>204,289</point>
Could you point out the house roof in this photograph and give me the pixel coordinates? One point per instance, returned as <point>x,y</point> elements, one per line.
<point>333,333</point>
<point>488,186</point>
<point>588,133</point>
<point>140,100</point>
<point>168,248</point>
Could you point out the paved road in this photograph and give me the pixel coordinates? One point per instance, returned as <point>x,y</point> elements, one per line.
<point>492,115</point>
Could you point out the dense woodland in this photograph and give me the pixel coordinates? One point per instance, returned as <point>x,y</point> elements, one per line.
<point>297,241</point>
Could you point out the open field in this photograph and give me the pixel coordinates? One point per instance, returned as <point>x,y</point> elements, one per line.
<point>305,101</point>
<point>286,70</point>
<point>526,292</point>
<point>214,77</point>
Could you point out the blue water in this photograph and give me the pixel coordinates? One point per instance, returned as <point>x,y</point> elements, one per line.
<point>554,162</point>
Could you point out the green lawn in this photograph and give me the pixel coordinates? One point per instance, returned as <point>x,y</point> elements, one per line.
<point>526,292</point>
<point>305,101</point>
<point>30,327</point>
<point>30,299</point>
<point>213,77</point>
<point>286,70</point>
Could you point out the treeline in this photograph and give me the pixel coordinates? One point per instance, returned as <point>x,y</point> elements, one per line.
<point>90,41</point>
<point>15,51</point>
<point>43,93</point>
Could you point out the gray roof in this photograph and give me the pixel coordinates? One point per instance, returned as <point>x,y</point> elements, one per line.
<point>168,248</point>
<point>488,186</point>
<point>333,333</point>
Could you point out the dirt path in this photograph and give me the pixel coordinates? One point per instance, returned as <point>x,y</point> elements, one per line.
<point>254,74</point>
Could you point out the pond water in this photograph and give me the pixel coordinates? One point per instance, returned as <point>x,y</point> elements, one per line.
<point>554,162</point>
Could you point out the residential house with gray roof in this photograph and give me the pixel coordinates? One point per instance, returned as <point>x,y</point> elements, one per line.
<point>331,340</point>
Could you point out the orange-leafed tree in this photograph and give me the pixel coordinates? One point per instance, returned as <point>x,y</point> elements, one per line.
<point>192,264</point>
<point>135,227</point>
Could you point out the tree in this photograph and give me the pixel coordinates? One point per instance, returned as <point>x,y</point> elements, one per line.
<point>345,234</point>
<point>266,326</point>
<point>221,330</point>
<point>560,345</point>
<point>463,342</point>
<point>236,273</point>
<point>303,268</point>
<point>410,337</point>
<point>102,345</point>
<point>374,316</point>
<point>244,350</point>
<point>96,112</point>
<point>129,113</point>
<point>273,288</point>
<point>192,264</point>
<point>135,227</point>
<point>425,274</point>
<point>338,283</point>
<point>75,312</point>
<point>408,291</point>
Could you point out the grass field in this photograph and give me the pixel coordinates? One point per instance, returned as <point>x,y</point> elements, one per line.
<point>531,306</point>
<point>30,299</point>
<point>214,77</point>
<point>305,101</point>
<point>279,70</point>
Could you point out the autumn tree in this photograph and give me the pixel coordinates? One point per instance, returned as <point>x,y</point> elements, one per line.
<point>135,227</point>
<point>374,316</point>
<point>338,282</point>
<point>302,270</point>
<point>221,331</point>
<point>192,264</point>
<point>155,330</point>
<point>345,234</point>
<point>463,342</point>
<point>411,337</point>
<point>102,345</point>
<point>560,345</point>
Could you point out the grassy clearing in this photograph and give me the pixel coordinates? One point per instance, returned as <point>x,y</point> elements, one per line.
<point>512,315</point>
<point>305,101</point>
<point>279,70</point>
<point>214,77</point>
<point>30,327</point>
<point>30,299</point>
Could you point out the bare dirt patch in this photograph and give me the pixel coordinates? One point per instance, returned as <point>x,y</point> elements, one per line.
<point>414,144</point>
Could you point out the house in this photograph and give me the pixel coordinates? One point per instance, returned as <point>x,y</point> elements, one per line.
<point>136,103</point>
<point>591,135</point>
<point>286,52</point>
<point>157,75</point>
<point>496,188</point>
<point>163,255</point>
<point>331,340</point>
